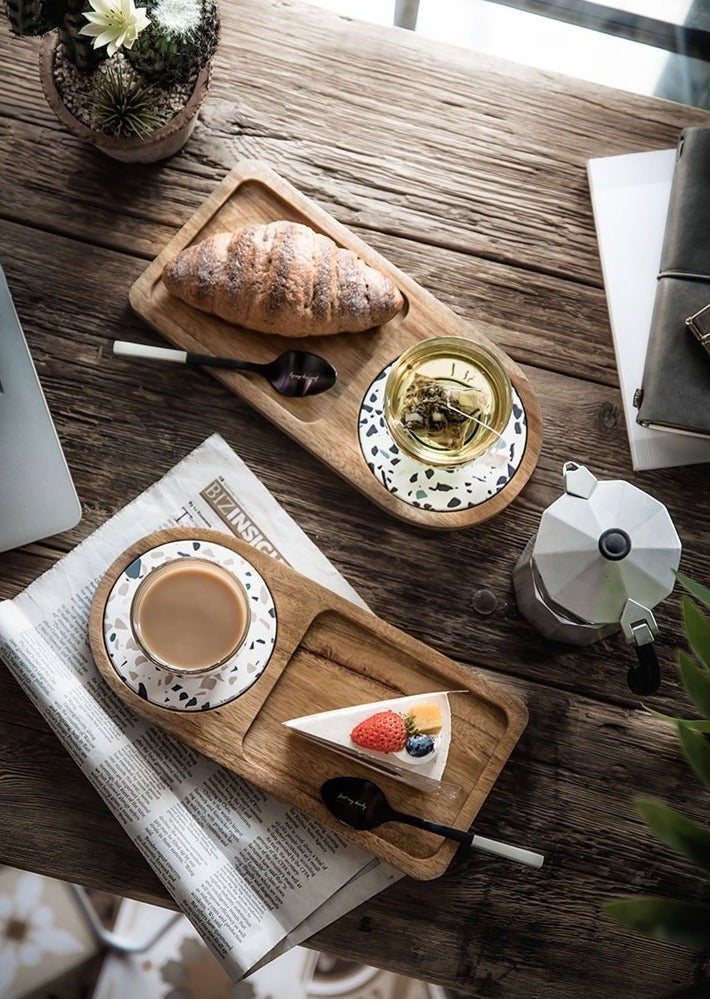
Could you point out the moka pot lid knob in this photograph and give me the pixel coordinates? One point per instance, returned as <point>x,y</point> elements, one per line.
<point>602,544</point>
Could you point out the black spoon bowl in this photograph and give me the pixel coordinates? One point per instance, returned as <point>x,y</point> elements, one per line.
<point>360,804</point>
<point>295,373</point>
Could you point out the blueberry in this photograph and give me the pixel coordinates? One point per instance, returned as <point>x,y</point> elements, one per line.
<point>420,745</point>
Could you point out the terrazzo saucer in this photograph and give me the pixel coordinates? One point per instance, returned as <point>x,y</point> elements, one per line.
<point>189,692</point>
<point>444,490</point>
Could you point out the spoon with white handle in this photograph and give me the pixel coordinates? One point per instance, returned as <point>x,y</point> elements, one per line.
<point>294,373</point>
<point>361,804</point>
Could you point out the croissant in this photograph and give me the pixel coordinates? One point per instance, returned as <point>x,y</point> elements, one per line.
<point>282,278</point>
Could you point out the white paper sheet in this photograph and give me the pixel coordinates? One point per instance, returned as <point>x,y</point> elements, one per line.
<point>630,201</point>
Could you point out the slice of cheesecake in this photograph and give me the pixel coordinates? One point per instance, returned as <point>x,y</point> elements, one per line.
<point>405,737</point>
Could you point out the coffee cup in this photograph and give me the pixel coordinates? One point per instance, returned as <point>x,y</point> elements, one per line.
<point>189,615</point>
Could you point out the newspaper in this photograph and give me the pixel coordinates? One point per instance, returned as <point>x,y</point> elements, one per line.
<point>253,875</point>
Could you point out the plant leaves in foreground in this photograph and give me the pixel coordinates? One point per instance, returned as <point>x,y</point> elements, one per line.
<point>697,724</point>
<point>679,832</point>
<point>701,593</point>
<point>697,630</point>
<point>696,680</point>
<point>696,744</point>
<point>667,919</point>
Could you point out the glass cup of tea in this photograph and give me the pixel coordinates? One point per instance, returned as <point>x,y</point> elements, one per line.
<point>447,400</point>
<point>190,615</point>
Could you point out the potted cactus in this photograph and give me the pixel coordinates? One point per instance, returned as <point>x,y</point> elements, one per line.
<point>129,80</point>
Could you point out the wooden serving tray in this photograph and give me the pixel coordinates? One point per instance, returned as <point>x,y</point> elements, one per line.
<point>327,424</point>
<point>330,654</point>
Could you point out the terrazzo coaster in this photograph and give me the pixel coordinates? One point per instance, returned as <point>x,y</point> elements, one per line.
<point>444,490</point>
<point>190,692</point>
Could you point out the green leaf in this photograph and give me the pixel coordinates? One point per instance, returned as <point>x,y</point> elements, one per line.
<point>701,990</point>
<point>696,681</point>
<point>697,628</point>
<point>697,748</point>
<point>677,831</point>
<point>701,593</point>
<point>698,724</point>
<point>668,919</point>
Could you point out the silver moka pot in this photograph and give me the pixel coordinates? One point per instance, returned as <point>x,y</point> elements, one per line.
<point>604,555</point>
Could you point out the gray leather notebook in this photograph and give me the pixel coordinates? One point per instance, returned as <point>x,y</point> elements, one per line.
<point>675,394</point>
<point>37,495</point>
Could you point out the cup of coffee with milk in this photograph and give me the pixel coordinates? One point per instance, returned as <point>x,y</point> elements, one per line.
<point>189,615</point>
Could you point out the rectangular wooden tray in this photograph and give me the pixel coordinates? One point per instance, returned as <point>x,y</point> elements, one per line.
<point>331,654</point>
<point>326,425</point>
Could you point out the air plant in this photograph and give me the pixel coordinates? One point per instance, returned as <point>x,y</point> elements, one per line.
<point>125,106</point>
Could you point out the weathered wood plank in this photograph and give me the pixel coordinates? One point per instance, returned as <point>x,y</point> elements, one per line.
<point>469,173</point>
<point>107,408</point>
<point>43,792</point>
<point>566,791</point>
<point>416,139</point>
<point>539,319</point>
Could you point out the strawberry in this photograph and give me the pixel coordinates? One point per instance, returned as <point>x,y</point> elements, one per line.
<point>385,732</point>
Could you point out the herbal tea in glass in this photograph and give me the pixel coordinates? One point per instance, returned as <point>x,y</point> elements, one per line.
<point>447,400</point>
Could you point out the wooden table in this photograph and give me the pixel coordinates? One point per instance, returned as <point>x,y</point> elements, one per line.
<point>469,174</point>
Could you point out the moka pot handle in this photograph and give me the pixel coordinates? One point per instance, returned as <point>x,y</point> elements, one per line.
<point>644,676</point>
<point>640,628</point>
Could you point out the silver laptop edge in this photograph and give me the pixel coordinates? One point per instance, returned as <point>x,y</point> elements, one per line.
<point>37,495</point>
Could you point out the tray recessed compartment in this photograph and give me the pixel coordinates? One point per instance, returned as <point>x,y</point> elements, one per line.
<point>318,674</point>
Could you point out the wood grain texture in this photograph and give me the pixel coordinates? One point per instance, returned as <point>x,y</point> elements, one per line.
<point>325,425</point>
<point>485,925</point>
<point>469,175</point>
<point>330,654</point>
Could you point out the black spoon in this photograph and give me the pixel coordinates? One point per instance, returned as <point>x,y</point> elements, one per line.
<point>295,373</point>
<point>361,804</point>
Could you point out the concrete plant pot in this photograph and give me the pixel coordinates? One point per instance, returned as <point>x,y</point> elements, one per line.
<point>159,145</point>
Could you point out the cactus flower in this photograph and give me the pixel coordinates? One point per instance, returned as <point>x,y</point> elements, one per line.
<point>114,23</point>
